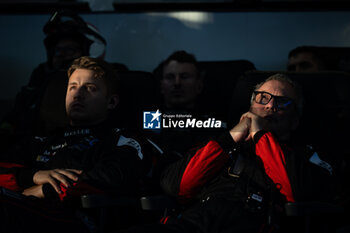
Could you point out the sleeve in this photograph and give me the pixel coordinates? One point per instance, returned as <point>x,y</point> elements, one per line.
<point>8,176</point>
<point>17,166</point>
<point>185,177</point>
<point>318,177</point>
<point>77,190</point>
<point>118,170</point>
<point>272,156</point>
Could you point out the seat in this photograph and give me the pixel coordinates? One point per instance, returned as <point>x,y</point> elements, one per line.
<point>219,80</point>
<point>160,203</point>
<point>316,216</point>
<point>294,212</point>
<point>109,213</point>
<point>138,93</point>
<point>106,213</point>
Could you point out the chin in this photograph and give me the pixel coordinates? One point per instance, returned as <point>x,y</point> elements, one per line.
<point>77,116</point>
<point>177,101</point>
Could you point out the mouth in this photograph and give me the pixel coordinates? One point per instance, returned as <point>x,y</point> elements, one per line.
<point>177,93</point>
<point>77,105</point>
<point>270,118</point>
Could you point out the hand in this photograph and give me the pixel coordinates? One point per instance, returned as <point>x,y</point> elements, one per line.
<point>36,191</point>
<point>257,123</point>
<point>241,130</point>
<point>56,176</point>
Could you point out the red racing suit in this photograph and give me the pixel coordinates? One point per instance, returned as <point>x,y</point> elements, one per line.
<point>232,187</point>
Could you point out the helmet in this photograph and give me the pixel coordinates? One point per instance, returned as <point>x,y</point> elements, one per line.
<point>68,25</point>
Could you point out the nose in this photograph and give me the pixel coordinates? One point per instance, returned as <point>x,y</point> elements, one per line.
<point>271,105</point>
<point>80,93</point>
<point>177,80</point>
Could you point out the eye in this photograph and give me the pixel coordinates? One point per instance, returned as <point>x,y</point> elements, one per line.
<point>169,77</point>
<point>91,88</point>
<point>187,76</point>
<point>286,103</point>
<point>264,98</point>
<point>72,87</point>
<point>306,65</point>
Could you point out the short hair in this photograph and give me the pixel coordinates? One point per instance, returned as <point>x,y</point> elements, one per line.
<point>318,54</point>
<point>284,78</point>
<point>180,56</point>
<point>306,49</point>
<point>102,70</point>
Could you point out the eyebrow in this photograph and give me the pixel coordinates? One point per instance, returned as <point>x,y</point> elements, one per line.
<point>75,83</point>
<point>280,96</point>
<point>72,83</point>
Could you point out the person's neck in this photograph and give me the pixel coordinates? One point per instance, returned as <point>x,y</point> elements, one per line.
<point>86,123</point>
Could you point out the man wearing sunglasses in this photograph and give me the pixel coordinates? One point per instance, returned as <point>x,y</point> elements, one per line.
<point>240,181</point>
<point>276,106</point>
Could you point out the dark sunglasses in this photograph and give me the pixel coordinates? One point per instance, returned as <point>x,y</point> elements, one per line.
<point>282,102</point>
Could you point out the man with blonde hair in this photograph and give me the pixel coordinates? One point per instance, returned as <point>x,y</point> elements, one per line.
<point>90,156</point>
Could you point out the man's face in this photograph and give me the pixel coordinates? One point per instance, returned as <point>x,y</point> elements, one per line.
<point>280,121</point>
<point>87,102</point>
<point>65,51</point>
<point>180,85</point>
<point>304,62</point>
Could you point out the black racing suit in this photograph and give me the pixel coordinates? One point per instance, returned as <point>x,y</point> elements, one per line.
<point>228,187</point>
<point>112,161</point>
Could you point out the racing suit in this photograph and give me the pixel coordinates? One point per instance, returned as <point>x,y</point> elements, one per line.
<point>112,161</point>
<point>231,187</point>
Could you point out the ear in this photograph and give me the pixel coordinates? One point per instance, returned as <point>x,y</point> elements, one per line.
<point>113,102</point>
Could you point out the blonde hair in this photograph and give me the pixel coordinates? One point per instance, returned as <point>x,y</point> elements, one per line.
<point>102,70</point>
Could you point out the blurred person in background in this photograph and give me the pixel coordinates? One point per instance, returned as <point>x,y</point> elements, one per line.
<point>39,106</point>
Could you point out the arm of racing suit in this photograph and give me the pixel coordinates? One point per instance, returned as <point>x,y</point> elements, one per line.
<point>117,170</point>
<point>184,178</point>
<point>17,164</point>
<point>272,156</point>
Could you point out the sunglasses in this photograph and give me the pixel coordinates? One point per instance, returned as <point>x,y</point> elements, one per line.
<point>282,102</point>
